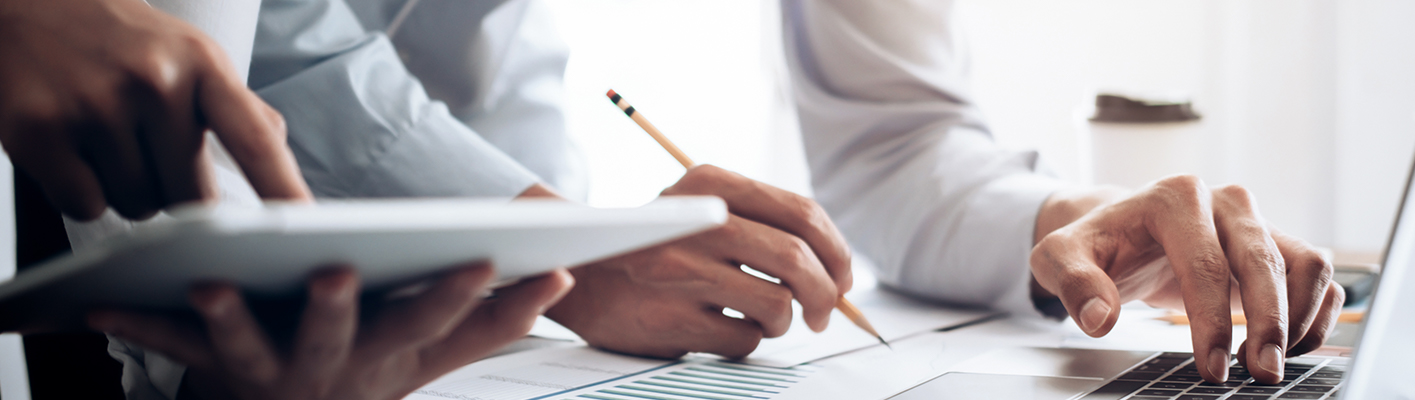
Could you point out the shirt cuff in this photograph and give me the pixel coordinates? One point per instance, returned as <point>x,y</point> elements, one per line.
<point>1009,207</point>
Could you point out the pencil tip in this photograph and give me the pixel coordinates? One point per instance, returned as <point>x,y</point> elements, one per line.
<point>611,93</point>
<point>886,344</point>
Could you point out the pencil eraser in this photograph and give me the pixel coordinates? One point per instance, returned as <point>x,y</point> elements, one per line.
<point>611,93</point>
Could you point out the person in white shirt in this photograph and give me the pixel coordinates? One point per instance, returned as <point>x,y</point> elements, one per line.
<point>905,165</point>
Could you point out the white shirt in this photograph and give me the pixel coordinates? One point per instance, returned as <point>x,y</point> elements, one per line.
<point>902,160</point>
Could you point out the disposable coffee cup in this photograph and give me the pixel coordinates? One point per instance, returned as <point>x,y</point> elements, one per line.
<point>1136,140</point>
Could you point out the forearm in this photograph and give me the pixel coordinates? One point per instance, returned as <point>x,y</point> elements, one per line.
<point>359,123</point>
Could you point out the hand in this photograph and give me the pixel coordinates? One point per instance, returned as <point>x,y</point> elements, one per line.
<point>104,103</point>
<point>334,355</point>
<point>668,300</point>
<point>1177,244</point>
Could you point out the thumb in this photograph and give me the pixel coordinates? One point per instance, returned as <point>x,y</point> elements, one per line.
<point>254,134</point>
<point>1060,266</point>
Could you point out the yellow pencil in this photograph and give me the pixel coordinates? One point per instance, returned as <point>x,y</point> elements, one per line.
<point>841,304</point>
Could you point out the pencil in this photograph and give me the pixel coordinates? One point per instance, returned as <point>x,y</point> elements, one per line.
<point>1239,319</point>
<point>841,304</point>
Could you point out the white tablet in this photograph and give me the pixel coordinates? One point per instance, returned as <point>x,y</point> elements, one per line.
<point>271,251</point>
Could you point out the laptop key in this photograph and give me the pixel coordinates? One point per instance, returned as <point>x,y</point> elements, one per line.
<point>1301,395</point>
<point>1115,390</point>
<point>1182,378</point>
<point>1209,390</point>
<point>1140,376</point>
<point>1152,368</point>
<point>1321,381</point>
<point>1258,390</point>
<point>1329,375</point>
<point>1171,385</point>
<point>1248,397</point>
<point>1310,388</point>
<point>1157,392</point>
<point>1196,397</point>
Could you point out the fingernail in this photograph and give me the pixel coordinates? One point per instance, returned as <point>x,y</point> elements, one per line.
<point>1094,314</point>
<point>1218,363</point>
<point>1270,359</point>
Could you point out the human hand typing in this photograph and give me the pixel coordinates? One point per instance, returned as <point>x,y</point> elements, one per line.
<point>104,103</point>
<point>667,300</point>
<point>334,354</point>
<point>1178,244</point>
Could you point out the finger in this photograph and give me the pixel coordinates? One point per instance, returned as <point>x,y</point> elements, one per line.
<point>1178,213</point>
<point>1259,268</point>
<point>239,343</point>
<point>326,331</point>
<point>1324,323</point>
<point>427,318</point>
<point>67,180</point>
<point>1062,264</point>
<point>780,255</point>
<point>180,341</point>
<point>115,151</point>
<point>1308,277</point>
<point>778,208</point>
<point>172,139</point>
<point>732,338</point>
<point>766,303</point>
<point>252,131</point>
<point>499,321</point>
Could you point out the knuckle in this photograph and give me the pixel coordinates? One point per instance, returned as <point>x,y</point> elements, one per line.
<point>1181,189</point>
<point>1338,296</point>
<point>154,70</point>
<point>1209,268</point>
<point>1266,258</point>
<point>1236,193</point>
<point>795,253</point>
<point>1181,182</point>
<point>1321,266</point>
<point>778,302</point>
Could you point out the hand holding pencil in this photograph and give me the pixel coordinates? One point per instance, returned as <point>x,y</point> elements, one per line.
<point>845,307</point>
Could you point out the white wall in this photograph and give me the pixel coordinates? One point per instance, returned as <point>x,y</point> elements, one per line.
<point>1306,102</point>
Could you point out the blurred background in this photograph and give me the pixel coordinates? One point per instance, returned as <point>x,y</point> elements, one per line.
<point>1308,103</point>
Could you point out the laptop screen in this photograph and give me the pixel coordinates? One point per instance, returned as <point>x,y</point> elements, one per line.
<point>1381,368</point>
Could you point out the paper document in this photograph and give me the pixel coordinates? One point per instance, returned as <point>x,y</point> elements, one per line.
<point>586,374</point>
<point>894,315</point>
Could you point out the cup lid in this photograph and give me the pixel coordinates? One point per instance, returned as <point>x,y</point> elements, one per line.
<point>1112,107</point>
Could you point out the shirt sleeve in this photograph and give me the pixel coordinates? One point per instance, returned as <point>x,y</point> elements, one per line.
<point>901,159</point>
<point>359,123</point>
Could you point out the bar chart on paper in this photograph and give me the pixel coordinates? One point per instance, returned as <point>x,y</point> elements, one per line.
<point>698,380</point>
<point>581,373</point>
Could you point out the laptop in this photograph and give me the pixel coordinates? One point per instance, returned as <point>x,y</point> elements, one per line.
<point>1379,369</point>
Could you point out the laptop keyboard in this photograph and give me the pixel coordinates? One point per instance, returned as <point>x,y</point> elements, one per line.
<point>1173,376</point>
